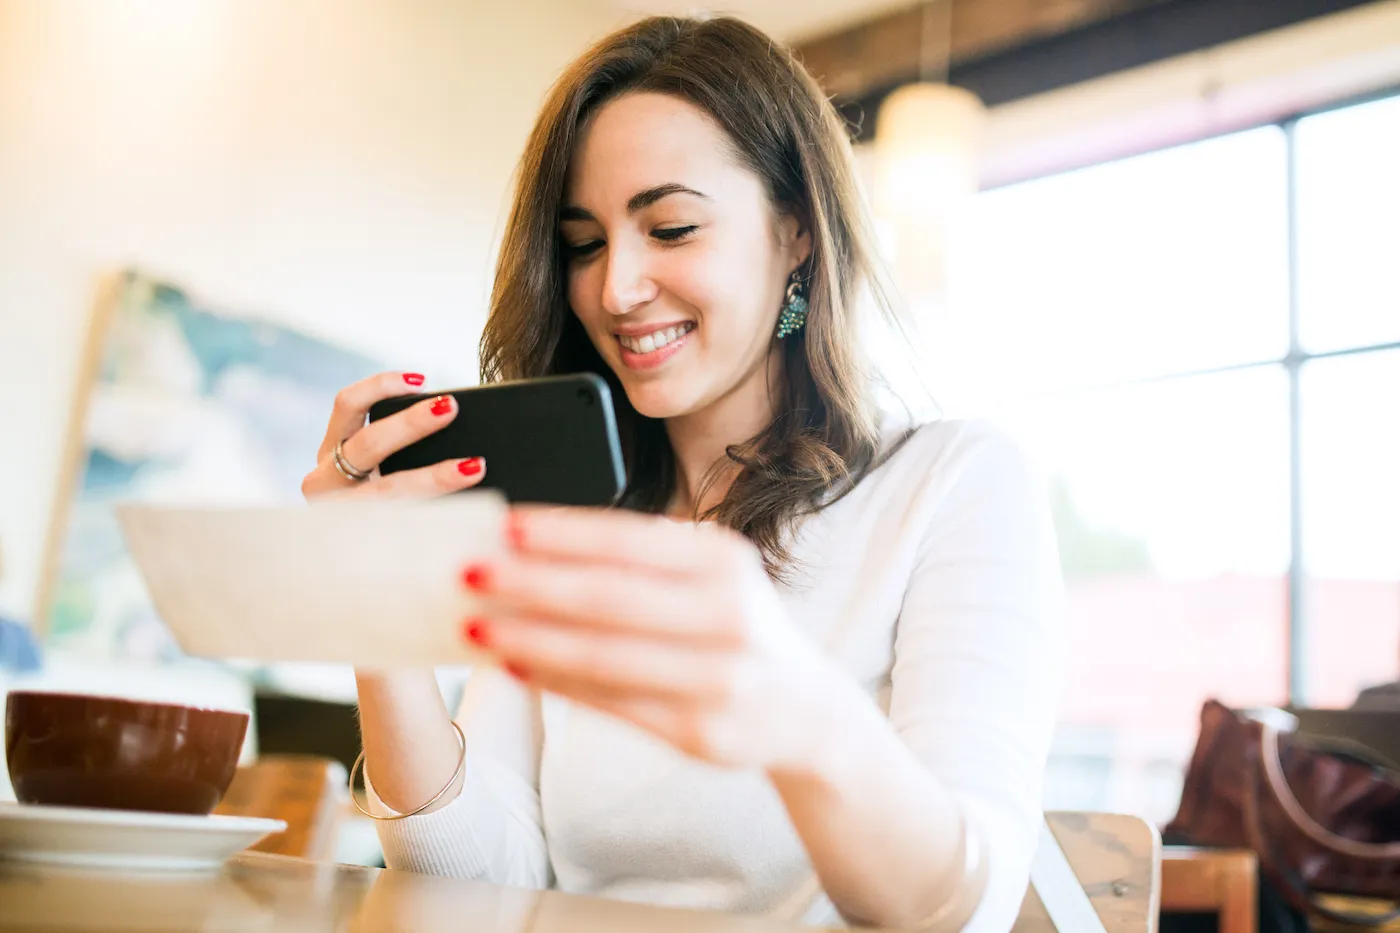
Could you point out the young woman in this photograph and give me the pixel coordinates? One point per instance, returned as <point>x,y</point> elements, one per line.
<point>808,668</point>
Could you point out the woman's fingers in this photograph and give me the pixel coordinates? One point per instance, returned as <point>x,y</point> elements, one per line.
<point>364,447</point>
<point>369,446</point>
<point>568,659</point>
<point>683,698</point>
<point>608,597</point>
<point>647,542</point>
<point>424,483</point>
<point>659,715</point>
<point>353,402</point>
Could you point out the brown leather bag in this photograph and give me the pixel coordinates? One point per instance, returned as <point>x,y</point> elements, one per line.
<point>1323,817</point>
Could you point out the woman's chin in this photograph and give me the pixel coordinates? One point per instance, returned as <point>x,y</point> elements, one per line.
<point>655,401</point>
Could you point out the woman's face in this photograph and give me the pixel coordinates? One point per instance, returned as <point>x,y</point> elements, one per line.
<point>678,263</point>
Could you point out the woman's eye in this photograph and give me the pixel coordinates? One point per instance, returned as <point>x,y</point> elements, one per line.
<point>582,250</point>
<point>671,234</point>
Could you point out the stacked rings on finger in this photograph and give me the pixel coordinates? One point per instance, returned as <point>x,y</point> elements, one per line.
<point>345,468</point>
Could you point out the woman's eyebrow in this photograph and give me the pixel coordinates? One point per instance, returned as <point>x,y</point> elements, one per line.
<point>638,201</point>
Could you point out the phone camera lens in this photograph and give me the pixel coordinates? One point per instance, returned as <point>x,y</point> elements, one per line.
<point>585,396</point>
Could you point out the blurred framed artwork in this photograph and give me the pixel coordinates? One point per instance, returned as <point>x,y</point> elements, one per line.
<point>178,401</point>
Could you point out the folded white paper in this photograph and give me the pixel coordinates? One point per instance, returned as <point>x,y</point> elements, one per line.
<point>373,584</point>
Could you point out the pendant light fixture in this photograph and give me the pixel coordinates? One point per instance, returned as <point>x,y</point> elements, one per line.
<point>927,138</point>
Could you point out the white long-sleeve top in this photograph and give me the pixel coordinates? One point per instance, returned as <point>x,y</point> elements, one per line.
<point>936,585</point>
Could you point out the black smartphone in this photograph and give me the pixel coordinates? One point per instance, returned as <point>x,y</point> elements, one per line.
<point>551,440</point>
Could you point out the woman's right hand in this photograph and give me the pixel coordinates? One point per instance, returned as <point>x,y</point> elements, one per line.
<point>365,446</point>
<point>410,745</point>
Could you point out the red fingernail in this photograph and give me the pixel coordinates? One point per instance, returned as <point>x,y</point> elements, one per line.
<point>413,379</point>
<point>516,671</point>
<point>515,530</point>
<point>475,630</point>
<point>441,405</point>
<point>469,467</point>
<point>476,578</point>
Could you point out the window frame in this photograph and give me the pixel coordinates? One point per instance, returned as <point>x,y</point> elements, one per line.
<point>1295,359</point>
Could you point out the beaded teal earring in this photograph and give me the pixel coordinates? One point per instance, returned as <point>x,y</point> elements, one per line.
<point>794,308</point>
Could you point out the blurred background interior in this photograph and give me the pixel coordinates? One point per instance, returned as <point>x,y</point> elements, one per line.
<point>1159,237</point>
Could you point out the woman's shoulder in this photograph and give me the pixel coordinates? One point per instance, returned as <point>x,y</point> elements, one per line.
<point>963,482</point>
<point>948,452</point>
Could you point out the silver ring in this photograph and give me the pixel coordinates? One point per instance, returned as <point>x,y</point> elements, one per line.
<point>345,468</point>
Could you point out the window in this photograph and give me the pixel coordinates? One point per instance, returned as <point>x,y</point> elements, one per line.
<point>1171,502</point>
<point>1349,226</point>
<point>1170,262</point>
<point>1350,433</point>
<point>1133,322</point>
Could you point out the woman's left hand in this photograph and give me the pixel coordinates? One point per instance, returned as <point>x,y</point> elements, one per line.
<point>672,626</point>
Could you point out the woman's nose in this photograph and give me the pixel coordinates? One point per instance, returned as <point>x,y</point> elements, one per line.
<point>627,282</point>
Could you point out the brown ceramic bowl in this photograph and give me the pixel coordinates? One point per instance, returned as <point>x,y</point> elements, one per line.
<point>69,750</point>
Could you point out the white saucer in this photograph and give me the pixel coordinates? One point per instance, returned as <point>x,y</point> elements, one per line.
<point>126,840</point>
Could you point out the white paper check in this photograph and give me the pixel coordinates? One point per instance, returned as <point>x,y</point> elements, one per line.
<point>374,584</point>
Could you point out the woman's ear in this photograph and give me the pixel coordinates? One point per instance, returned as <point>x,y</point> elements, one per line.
<point>795,238</point>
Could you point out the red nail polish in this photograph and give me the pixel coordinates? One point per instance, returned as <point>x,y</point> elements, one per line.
<point>515,531</point>
<point>441,405</point>
<point>413,379</point>
<point>475,630</point>
<point>516,671</point>
<point>469,467</point>
<point>476,577</point>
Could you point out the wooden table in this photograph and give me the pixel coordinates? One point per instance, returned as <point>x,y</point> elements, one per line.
<point>1360,906</point>
<point>1219,881</point>
<point>259,891</point>
<point>1225,882</point>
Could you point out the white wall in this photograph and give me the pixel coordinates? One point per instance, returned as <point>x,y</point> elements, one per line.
<point>339,165</point>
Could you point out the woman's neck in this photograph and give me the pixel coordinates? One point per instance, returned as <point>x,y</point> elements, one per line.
<point>700,440</point>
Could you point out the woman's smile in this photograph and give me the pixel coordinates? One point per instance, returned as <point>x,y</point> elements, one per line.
<point>647,349</point>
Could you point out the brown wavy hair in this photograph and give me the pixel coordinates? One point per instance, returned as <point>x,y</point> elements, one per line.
<point>782,127</point>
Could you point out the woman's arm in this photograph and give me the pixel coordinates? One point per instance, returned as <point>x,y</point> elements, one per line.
<point>884,835</point>
<point>676,629</point>
<point>488,825</point>
<point>881,805</point>
<point>408,738</point>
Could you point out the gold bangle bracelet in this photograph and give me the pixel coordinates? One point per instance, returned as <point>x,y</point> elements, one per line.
<point>359,760</point>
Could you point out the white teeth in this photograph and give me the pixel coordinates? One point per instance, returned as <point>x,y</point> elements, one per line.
<point>656,340</point>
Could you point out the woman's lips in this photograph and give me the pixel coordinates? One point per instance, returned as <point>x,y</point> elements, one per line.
<point>655,348</point>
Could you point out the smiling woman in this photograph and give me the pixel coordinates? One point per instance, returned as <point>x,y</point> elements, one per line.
<point>808,668</point>
<point>681,180</point>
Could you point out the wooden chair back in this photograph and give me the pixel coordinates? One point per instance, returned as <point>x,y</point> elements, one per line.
<point>1117,859</point>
